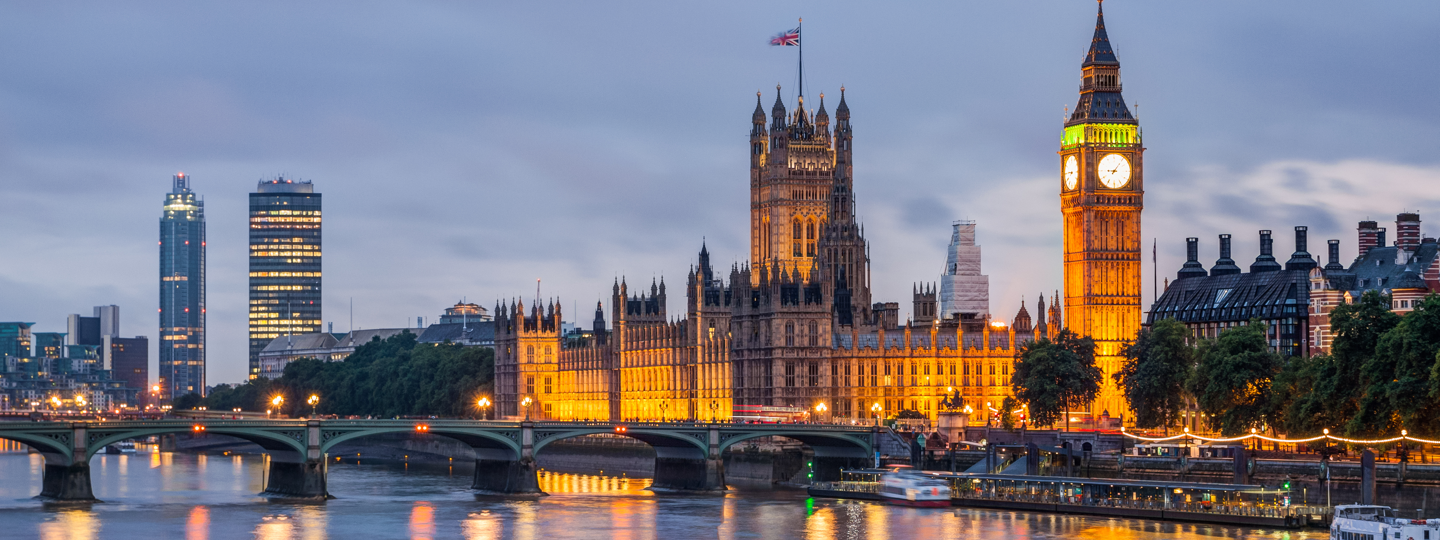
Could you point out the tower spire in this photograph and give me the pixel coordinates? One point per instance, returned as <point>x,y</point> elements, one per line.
<point>1100,50</point>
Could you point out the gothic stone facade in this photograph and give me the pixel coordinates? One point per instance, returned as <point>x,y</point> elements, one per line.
<point>795,327</point>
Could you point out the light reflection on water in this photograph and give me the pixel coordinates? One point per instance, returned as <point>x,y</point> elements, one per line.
<point>155,496</point>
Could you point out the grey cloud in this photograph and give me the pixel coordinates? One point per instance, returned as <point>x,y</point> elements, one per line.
<point>461,151</point>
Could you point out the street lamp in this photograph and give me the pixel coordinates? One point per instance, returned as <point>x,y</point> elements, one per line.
<point>314,402</point>
<point>713,407</point>
<point>483,403</point>
<point>876,409</point>
<point>663,405</point>
<point>819,410</point>
<point>80,400</point>
<point>526,404</point>
<point>277,401</point>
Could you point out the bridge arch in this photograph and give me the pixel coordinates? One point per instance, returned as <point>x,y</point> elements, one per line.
<point>486,443</point>
<point>46,445</point>
<point>832,443</point>
<point>275,442</point>
<point>691,444</point>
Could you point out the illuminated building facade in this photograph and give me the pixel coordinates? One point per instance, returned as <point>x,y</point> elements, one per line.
<point>284,263</point>
<point>796,326</point>
<point>182,293</point>
<point>792,329</point>
<point>1101,197</point>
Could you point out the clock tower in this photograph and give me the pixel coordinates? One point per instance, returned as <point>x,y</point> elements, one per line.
<point>1102,193</point>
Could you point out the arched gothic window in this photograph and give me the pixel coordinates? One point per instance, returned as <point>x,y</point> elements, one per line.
<point>789,334</point>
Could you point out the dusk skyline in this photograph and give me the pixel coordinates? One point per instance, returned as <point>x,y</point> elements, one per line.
<point>466,151</point>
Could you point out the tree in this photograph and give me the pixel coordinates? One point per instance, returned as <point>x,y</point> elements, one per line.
<point>385,378</point>
<point>185,402</point>
<point>908,414</point>
<point>1400,381</point>
<point>1007,412</point>
<point>254,395</point>
<point>1303,395</point>
<point>1232,381</point>
<point>1355,394</point>
<point>1054,376</point>
<point>1157,365</point>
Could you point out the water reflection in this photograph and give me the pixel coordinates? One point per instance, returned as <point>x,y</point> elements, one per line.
<point>422,521</point>
<point>378,501</point>
<point>197,526</point>
<point>553,482</point>
<point>482,526</point>
<point>70,524</point>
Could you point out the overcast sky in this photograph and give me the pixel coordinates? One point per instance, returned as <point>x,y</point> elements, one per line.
<point>465,150</point>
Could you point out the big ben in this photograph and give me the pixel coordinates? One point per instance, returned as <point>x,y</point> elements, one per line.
<point>1102,193</point>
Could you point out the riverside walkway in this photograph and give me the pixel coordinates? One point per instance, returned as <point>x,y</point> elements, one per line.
<point>687,455</point>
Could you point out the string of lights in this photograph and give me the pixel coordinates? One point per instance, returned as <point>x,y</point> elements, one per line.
<point>1404,435</point>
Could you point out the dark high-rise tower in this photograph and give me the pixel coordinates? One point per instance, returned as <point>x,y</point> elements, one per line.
<point>182,292</point>
<point>284,263</point>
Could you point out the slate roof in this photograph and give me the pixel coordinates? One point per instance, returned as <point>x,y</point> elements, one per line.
<point>474,332</point>
<point>1235,297</point>
<point>1382,269</point>
<point>301,342</point>
<point>360,337</point>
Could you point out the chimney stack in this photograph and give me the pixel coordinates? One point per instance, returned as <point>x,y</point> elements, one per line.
<point>1334,263</point>
<point>1266,261</point>
<point>1192,267</point>
<point>1407,231</point>
<point>1224,266</point>
<point>1368,237</point>
<point>1301,259</point>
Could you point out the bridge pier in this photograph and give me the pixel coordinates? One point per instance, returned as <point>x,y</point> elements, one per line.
<point>67,478</point>
<point>67,482</point>
<point>300,476</point>
<point>304,479</point>
<point>497,470</point>
<point>686,468</point>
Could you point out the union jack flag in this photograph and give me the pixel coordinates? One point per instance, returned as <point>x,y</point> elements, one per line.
<point>788,38</point>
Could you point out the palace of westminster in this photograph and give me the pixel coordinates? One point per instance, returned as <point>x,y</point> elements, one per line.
<point>796,326</point>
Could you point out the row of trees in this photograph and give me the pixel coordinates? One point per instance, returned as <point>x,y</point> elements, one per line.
<point>1382,375</point>
<point>383,378</point>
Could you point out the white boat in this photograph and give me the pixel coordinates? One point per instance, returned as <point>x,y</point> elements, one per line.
<point>911,488</point>
<point>1374,522</point>
<point>127,447</point>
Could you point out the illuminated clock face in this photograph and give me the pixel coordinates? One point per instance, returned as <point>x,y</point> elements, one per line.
<point>1072,172</point>
<point>1114,171</point>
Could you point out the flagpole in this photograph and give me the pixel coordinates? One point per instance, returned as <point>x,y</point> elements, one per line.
<point>800,24</point>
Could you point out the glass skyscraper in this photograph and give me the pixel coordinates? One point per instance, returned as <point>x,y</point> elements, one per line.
<point>182,292</point>
<point>284,263</point>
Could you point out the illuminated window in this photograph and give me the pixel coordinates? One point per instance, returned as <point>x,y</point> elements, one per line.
<point>530,385</point>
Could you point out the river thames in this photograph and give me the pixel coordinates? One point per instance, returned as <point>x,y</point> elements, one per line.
<point>156,496</point>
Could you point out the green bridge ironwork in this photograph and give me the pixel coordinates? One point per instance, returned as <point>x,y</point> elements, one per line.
<point>688,455</point>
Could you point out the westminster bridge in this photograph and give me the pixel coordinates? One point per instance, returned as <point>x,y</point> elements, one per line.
<point>687,455</point>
